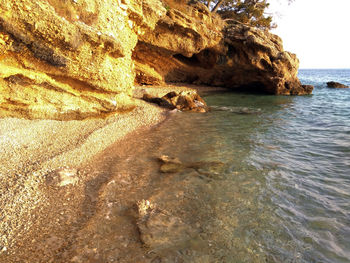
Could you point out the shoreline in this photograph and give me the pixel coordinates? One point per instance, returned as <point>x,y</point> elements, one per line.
<point>32,151</point>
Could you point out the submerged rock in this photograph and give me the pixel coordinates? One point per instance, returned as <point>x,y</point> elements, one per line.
<point>159,229</point>
<point>168,159</point>
<point>336,85</point>
<point>170,165</point>
<point>171,168</point>
<point>237,110</point>
<point>208,168</point>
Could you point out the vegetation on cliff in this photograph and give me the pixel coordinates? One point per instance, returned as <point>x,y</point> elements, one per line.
<point>251,12</point>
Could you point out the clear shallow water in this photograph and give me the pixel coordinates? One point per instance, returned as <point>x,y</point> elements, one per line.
<point>283,194</point>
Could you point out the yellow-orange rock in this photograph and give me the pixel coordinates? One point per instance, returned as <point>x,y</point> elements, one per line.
<point>235,56</point>
<point>69,59</point>
<point>169,52</point>
<point>74,59</point>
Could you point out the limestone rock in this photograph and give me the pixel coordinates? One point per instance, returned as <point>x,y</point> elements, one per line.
<point>70,59</point>
<point>78,59</point>
<point>308,88</point>
<point>185,100</point>
<point>174,165</point>
<point>155,225</point>
<point>62,177</point>
<point>163,53</point>
<point>170,165</point>
<point>237,56</point>
<point>336,85</point>
<point>168,159</point>
<point>209,166</point>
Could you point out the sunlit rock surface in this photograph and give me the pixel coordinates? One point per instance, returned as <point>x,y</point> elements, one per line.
<point>175,51</point>
<point>194,46</point>
<point>76,59</point>
<point>69,59</point>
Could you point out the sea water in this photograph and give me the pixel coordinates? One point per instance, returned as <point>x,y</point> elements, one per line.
<point>283,193</point>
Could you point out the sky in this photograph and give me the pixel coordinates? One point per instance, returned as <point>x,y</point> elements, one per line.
<point>318,31</point>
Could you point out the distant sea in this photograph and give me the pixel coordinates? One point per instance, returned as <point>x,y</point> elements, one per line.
<point>284,195</point>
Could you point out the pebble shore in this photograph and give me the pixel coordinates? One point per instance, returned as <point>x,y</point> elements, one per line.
<point>45,198</point>
<point>31,149</point>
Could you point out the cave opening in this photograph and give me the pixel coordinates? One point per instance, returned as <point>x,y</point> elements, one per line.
<point>206,59</point>
<point>189,61</point>
<point>255,87</point>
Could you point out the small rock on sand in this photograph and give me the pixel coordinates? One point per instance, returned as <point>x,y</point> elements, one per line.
<point>62,177</point>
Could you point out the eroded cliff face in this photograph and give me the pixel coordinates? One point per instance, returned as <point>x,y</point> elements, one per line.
<point>234,56</point>
<point>171,51</point>
<point>76,59</point>
<point>69,59</point>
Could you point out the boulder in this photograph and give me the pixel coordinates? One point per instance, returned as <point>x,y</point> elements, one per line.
<point>336,85</point>
<point>185,100</point>
<point>170,165</point>
<point>308,88</point>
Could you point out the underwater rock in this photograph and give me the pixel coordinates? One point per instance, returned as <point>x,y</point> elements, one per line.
<point>170,165</point>
<point>174,165</point>
<point>238,110</point>
<point>159,229</point>
<point>171,168</point>
<point>167,159</point>
<point>212,170</point>
<point>209,166</point>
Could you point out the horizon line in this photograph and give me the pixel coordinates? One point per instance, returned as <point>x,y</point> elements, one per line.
<point>324,68</point>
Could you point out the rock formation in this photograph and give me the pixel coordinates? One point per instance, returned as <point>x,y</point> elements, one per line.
<point>186,101</point>
<point>336,85</point>
<point>76,59</point>
<point>70,59</point>
<point>241,57</point>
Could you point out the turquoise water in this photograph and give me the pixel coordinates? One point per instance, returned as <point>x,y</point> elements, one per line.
<point>282,195</point>
<point>301,148</point>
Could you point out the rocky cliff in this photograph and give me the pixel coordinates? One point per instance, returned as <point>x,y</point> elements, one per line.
<point>70,59</point>
<point>235,56</point>
<point>76,59</point>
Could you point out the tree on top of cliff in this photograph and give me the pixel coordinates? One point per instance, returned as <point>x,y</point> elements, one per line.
<point>251,12</point>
